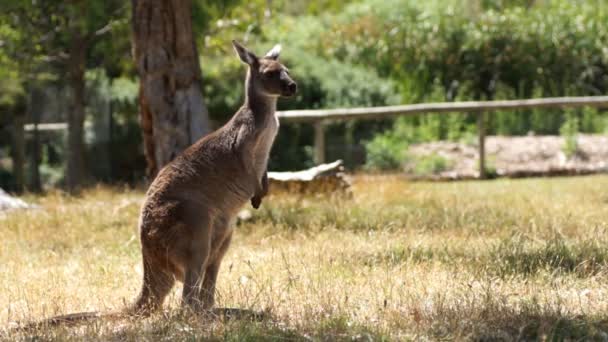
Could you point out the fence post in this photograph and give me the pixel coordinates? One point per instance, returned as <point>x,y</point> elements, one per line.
<point>319,154</point>
<point>481,131</point>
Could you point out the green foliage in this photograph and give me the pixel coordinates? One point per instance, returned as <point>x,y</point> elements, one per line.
<point>322,82</point>
<point>124,90</point>
<point>438,51</point>
<point>223,80</point>
<point>344,54</point>
<point>490,166</point>
<point>569,131</point>
<point>51,175</point>
<point>479,52</point>
<point>496,50</point>
<point>331,84</point>
<point>592,121</point>
<point>385,152</point>
<point>12,95</point>
<point>44,32</point>
<point>430,165</point>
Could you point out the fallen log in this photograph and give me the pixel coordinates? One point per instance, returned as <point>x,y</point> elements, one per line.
<point>324,179</point>
<point>8,202</point>
<point>321,179</point>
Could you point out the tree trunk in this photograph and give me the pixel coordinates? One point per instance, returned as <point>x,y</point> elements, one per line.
<point>172,111</point>
<point>18,151</point>
<point>76,71</point>
<point>34,109</point>
<point>35,184</point>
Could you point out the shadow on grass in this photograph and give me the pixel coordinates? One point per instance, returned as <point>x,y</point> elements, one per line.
<point>508,258</point>
<point>515,256</point>
<point>228,324</point>
<point>491,316</point>
<point>536,327</point>
<point>223,324</point>
<point>560,328</point>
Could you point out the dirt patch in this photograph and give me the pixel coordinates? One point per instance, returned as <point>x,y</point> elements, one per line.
<point>517,156</point>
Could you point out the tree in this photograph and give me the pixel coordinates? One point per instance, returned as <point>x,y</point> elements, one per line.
<point>12,110</point>
<point>56,36</point>
<point>172,112</point>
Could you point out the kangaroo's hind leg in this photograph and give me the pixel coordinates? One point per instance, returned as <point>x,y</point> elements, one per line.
<point>196,255</point>
<point>223,231</point>
<point>157,283</point>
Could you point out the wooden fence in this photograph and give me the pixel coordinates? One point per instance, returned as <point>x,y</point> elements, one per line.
<point>322,116</point>
<point>319,117</point>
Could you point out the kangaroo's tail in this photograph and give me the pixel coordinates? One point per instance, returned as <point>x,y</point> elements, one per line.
<point>68,320</point>
<point>143,307</point>
<point>147,302</point>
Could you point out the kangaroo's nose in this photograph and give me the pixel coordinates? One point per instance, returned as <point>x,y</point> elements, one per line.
<point>293,87</point>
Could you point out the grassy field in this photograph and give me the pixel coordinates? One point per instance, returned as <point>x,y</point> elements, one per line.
<point>494,260</point>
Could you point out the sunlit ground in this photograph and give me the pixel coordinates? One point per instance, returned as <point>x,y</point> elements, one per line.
<point>501,259</point>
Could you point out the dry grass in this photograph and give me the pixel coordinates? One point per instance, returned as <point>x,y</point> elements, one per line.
<point>504,259</point>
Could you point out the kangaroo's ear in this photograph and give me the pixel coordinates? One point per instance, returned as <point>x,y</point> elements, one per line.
<point>245,55</point>
<point>274,52</point>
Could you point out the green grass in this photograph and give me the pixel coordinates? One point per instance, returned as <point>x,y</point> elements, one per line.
<point>503,259</point>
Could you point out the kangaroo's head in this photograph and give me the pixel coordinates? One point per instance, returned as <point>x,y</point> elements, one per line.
<point>267,75</point>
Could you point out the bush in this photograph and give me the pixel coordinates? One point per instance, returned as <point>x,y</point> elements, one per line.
<point>385,152</point>
<point>494,52</point>
<point>430,165</point>
<point>569,131</point>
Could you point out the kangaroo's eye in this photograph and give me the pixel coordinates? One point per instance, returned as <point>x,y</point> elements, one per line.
<point>270,73</point>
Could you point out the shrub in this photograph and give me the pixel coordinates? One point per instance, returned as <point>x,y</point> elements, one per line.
<point>430,165</point>
<point>569,131</point>
<point>385,152</point>
<point>498,51</point>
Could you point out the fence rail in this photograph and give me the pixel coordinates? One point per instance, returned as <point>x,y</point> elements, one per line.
<point>320,116</point>
<point>55,126</point>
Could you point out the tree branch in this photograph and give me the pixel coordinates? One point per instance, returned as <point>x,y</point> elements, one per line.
<point>107,27</point>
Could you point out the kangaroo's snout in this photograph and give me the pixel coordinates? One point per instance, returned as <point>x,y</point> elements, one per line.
<point>291,89</point>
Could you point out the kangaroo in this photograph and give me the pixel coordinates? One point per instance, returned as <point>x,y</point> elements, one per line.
<point>186,219</point>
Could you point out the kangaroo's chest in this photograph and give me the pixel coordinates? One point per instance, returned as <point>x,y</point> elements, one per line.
<point>264,144</point>
<point>268,134</point>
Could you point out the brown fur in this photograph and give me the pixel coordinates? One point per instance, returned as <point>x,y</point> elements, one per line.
<point>186,219</point>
